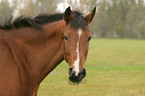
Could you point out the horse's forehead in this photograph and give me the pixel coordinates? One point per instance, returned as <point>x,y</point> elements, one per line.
<point>76,32</point>
<point>79,31</point>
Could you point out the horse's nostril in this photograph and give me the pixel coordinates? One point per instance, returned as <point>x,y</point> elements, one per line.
<point>76,78</point>
<point>84,72</point>
<point>70,71</point>
<point>79,75</point>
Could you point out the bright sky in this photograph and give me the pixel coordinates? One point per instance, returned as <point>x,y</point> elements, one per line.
<point>62,6</point>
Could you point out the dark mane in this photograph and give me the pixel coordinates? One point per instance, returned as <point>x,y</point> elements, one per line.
<point>76,22</point>
<point>20,22</point>
<point>46,18</point>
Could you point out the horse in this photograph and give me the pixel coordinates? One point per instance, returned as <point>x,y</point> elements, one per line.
<point>30,48</point>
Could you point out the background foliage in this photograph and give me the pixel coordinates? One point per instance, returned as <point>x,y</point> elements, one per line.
<point>114,18</point>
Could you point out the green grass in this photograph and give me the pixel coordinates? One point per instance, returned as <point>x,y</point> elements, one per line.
<point>114,67</point>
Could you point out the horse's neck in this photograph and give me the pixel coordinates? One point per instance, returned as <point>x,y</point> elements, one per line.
<point>43,51</point>
<point>49,53</point>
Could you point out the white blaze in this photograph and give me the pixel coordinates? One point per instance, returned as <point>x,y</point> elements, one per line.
<point>77,61</point>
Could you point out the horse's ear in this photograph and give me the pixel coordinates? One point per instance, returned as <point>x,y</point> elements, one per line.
<point>68,15</point>
<point>90,16</point>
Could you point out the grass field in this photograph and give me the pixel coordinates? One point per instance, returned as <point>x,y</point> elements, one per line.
<point>114,67</point>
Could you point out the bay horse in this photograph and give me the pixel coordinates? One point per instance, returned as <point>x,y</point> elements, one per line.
<point>30,48</point>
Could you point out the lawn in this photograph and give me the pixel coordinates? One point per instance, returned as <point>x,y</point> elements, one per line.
<point>115,67</point>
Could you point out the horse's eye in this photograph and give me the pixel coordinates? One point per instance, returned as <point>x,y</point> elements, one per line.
<point>65,37</point>
<point>89,38</point>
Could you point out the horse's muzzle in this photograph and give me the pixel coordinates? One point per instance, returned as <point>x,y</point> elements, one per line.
<point>77,78</point>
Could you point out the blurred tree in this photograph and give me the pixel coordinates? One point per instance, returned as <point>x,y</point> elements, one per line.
<point>5,10</point>
<point>28,7</point>
<point>120,19</point>
<point>34,7</point>
<point>86,5</point>
<point>47,5</point>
